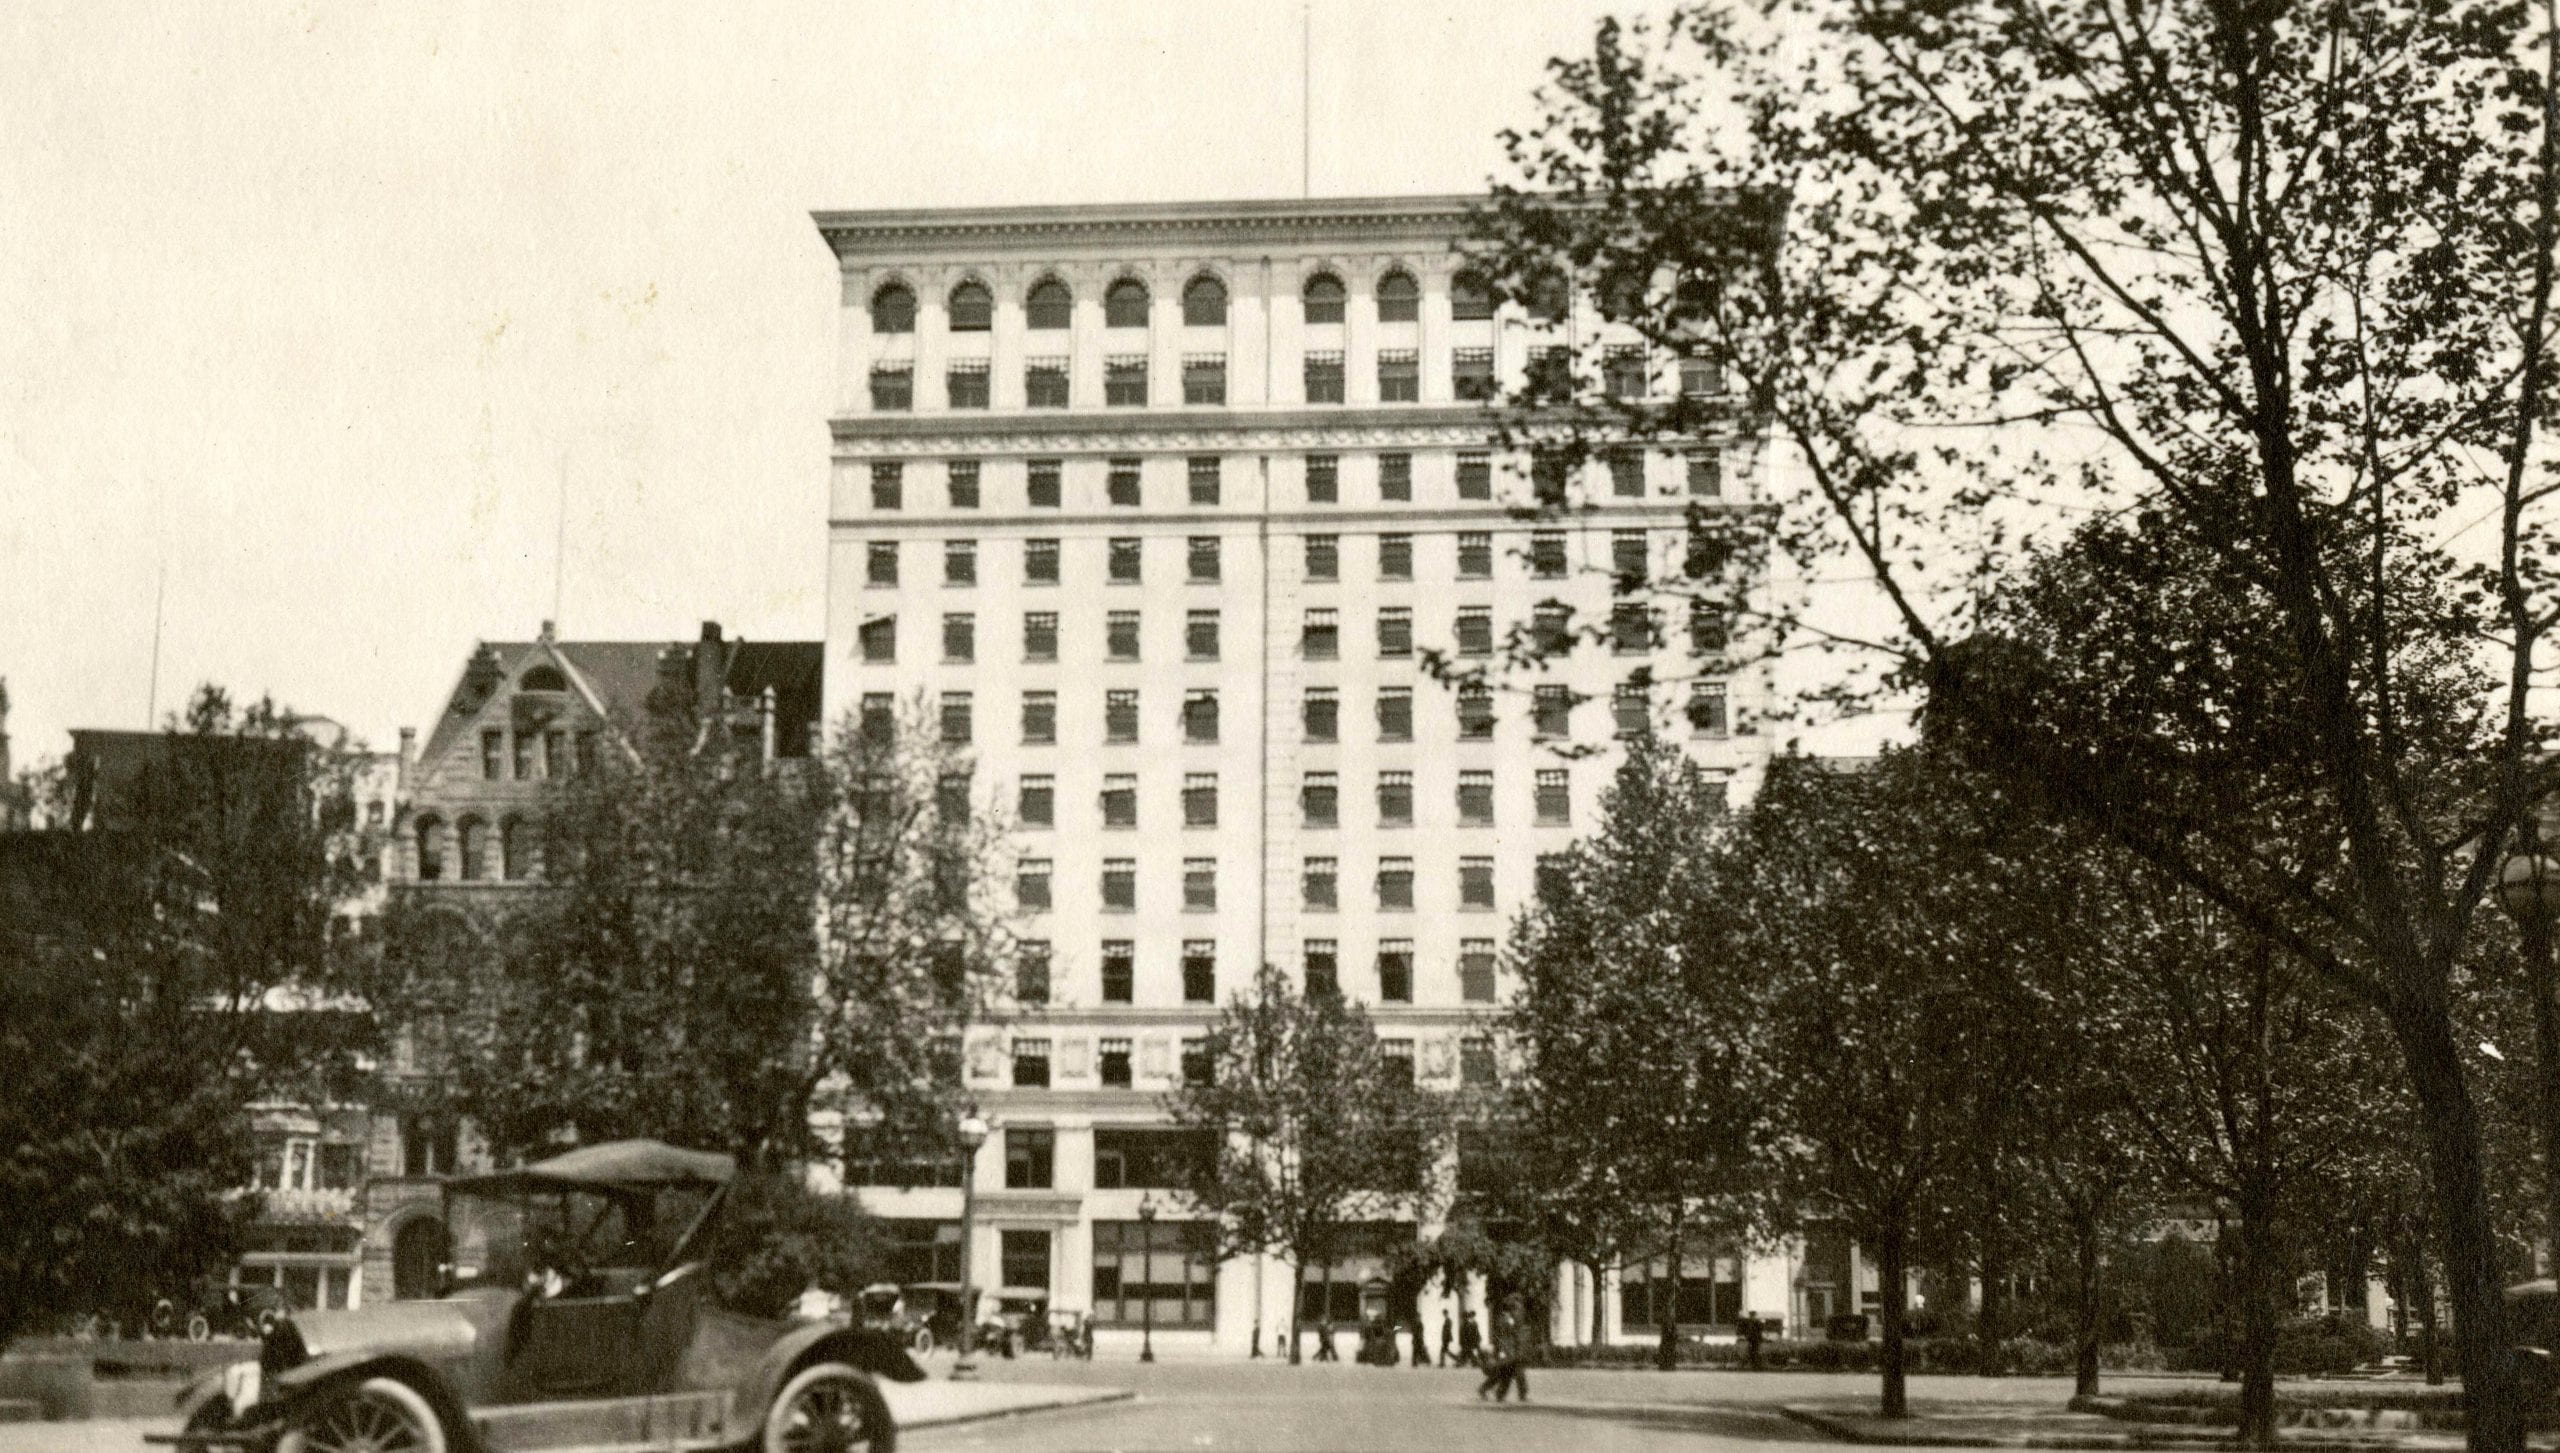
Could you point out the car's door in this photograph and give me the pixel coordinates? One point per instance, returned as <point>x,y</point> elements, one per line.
<point>573,1347</point>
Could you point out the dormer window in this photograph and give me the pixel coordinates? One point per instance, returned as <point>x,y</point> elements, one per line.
<point>542,678</point>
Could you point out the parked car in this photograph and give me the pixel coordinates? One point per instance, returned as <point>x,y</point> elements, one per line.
<point>937,1305</point>
<point>578,1312</point>
<point>884,1307</point>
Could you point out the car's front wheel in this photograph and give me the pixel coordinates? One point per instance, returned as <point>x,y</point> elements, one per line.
<point>920,1341</point>
<point>377,1415</point>
<point>828,1407</point>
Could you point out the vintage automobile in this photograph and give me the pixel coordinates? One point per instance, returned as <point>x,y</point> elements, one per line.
<point>578,1312</point>
<point>884,1307</point>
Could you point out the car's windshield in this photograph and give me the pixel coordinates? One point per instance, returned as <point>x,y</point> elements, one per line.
<point>605,1240</point>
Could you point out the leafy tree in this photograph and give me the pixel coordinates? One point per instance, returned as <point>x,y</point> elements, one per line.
<point>2270,286</point>
<point>165,962</point>
<point>1639,1064</point>
<point>1315,1129</point>
<point>777,1238</point>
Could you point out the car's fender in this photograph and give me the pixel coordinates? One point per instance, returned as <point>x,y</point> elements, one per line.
<point>861,1348</point>
<point>301,1380</point>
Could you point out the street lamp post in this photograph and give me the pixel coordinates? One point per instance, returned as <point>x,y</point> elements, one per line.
<point>973,1133</point>
<point>2529,890</point>
<point>1147,1288</point>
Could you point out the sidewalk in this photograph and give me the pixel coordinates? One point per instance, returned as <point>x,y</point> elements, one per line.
<point>933,1404</point>
<point>1949,1423</point>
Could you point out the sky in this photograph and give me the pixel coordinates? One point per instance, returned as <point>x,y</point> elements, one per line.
<point>308,311</point>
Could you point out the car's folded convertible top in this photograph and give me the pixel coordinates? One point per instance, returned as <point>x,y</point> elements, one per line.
<point>632,1163</point>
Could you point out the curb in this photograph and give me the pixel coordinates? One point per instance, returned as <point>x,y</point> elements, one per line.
<point>1843,1432</point>
<point>1099,1397</point>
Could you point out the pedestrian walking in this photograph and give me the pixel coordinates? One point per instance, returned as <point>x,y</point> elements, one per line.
<point>1448,1340</point>
<point>1503,1372</point>
<point>1470,1340</point>
<point>1751,1334</point>
<point>1324,1342</point>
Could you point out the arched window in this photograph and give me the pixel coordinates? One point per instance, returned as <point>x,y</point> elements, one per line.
<point>543,678</point>
<point>473,839</point>
<point>1399,298</point>
<point>1470,297</point>
<point>430,849</point>
<point>1323,298</point>
<point>1204,303</point>
<point>1550,298</point>
<point>1125,305</point>
<point>1050,305</point>
<point>1622,298</point>
<point>973,308</point>
<point>893,309</point>
<point>515,848</point>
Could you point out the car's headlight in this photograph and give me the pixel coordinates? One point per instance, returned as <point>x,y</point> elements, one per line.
<point>240,1386</point>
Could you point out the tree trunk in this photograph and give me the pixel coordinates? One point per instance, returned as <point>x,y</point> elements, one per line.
<point>2539,981</point>
<point>2257,1288</point>
<point>1992,1261</point>
<point>1297,1311</point>
<point>2492,1391</point>
<point>1892,1258</point>
<point>2429,1359</point>
<point>2084,1308</point>
<point>1666,1355</point>
<point>1599,1304</point>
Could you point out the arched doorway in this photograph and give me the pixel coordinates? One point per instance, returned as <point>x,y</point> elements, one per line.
<point>418,1253</point>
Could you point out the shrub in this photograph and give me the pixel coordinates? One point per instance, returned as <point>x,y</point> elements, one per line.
<point>777,1238</point>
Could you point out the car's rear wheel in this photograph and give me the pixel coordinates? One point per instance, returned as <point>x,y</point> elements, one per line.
<point>920,1341</point>
<point>377,1415</point>
<point>828,1407</point>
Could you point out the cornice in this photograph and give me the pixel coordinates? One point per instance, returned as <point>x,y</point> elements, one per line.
<point>1497,517</point>
<point>1282,429</point>
<point>871,236</point>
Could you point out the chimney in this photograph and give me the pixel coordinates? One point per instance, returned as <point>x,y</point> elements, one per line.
<point>481,677</point>
<point>764,711</point>
<point>710,670</point>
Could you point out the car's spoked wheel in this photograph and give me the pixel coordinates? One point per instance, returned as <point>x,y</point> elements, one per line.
<point>829,1408</point>
<point>381,1415</point>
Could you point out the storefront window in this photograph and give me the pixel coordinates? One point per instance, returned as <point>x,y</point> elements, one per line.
<point>1166,1261</point>
<point>1709,1295</point>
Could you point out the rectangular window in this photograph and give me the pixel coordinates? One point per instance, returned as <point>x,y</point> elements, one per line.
<point>1395,884</point>
<point>1395,557</point>
<point>1475,799</point>
<point>1322,969</point>
<point>1120,635</point>
<point>1320,714</point>
<point>1114,1060</point>
<point>1395,971</point>
<point>1395,799</point>
<point>1475,630</point>
<point>1120,885</point>
<point>1709,1292</point>
<point>1037,806</point>
<point>888,485</point>
<point>1124,381</point>
<point>1153,1273</point>
<point>1320,800</point>
<point>1119,977</point>
<point>1630,628</point>
<point>1395,1056</point>
<point>959,638</point>
<point>1702,373</point>
<point>1320,639</point>
<point>1399,376</point>
<point>961,476</point>
<point>1030,1155</point>
<point>1707,634</point>
<point>1204,378</point>
<point>1120,487</point>
<point>493,754</point>
<point>1626,474</point>
<point>555,765</point>
<point>1475,556</point>
<point>1627,557</point>
<point>1475,712</point>
<point>1199,885</point>
<point>879,638</point>
<point>1039,718</point>
<point>1324,478</point>
<point>1202,556</point>
<point>1555,799</point>
<point>586,753</point>
<point>1031,885</point>
<point>1709,715</point>
<point>1031,972</point>
<point>1043,491</point>
<point>1320,885</point>
<point>1631,709</point>
<point>1198,1066</point>
<point>1546,555</point>
<point>893,389</point>
<point>1395,713</point>
<point>1551,373</point>
<point>1551,627</point>
<point>1200,716</point>
<point>1131,1159</point>
<point>1706,474</point>
<point>1622,371</point>
<point>1040,635</point>
<point>956,713</point>
<point>1475,475</point>
<point>1471,374</point>
<point>1044,383</point>
<point>879,719</point>
<point>1200,635</point>
<point>967,381</point>
<point>1120,799</point>
<point>880,563</point>
<point>1200,971</point>
<point>1475,1063</point>
<point>1550,476</point>
<point>1553,874</point>
<point>1395,478</point>
<point>1022,1259</point>
<point>1324,377</point>
<point>1120,715</point>
<point>1200,799</point>
<point>1124,555</point>
<point>951,797</point>
<point>1204,479</point>
<point>1395,631</point>
<point>1551,711</point>
<point>1475,962</point>
<point>1324,557</point>
<point>1475,883</point>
